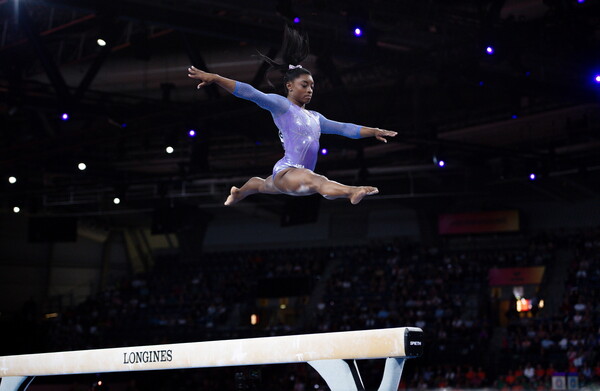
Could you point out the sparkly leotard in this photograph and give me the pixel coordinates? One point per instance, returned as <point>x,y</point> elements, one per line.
<point>299,129</point>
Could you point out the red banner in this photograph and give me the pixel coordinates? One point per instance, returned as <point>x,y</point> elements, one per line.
<point>516,276</point>
<point>479,222</point>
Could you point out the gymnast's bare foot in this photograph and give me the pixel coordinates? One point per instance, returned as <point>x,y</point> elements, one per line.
<point>235,196</point>
<point>361,192</point>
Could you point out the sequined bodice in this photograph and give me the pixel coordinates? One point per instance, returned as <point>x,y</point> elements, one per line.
<point>299,131</point>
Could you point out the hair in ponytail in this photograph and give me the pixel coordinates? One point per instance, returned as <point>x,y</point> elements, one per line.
<point>294,50</point>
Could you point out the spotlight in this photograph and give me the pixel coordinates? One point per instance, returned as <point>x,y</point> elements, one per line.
<point>489,50</point>
<point>324,151</point>
<point>358,32</point>
<point>16,209</point>
<point>81,166</point>
<point>116,200</point>
<point>192,133</point>
<point>64,116</point>
<point>12,180</point>
<point>439,161</point>
<point>296,20</point>
<point>581,1</point>
<point>597,78</point>
<point>532,176</point>
<point>123,125</point>
<point>101,42</point>
<point>514,116</point>
<point>169,149</point>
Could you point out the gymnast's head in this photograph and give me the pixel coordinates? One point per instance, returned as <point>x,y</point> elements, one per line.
<point>299,85</point>
<point>297,80</point>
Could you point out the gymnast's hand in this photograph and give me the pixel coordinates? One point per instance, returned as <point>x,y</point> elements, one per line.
<point>379,134</point>
<point>205,77</point>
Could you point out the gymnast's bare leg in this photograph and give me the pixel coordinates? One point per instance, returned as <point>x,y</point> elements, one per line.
<point>302,181</point>
<point>252,186</point>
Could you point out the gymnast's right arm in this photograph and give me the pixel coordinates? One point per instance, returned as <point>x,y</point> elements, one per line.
<point>276,104</point>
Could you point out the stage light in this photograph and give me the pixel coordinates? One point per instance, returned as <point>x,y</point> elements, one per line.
<point>101,42</point>
<point>296,20</point>
<point>324,151</point>
<point>524,305</point>
<point>597,78</point>
<point>532,176</point>
<point>481,83</point>
<point>16,209</point>
<point>489,50</point>
<point>12,180</point>
<point>123,125</point>
<point>81,166</point>
<point>192,133</point>
<point>439,161</point>
<point>116,200</point>
<point>514,116</point>
<point>64,116</point>
<point>358,32</point>
<point>581,1</point>
<point>169,149</point>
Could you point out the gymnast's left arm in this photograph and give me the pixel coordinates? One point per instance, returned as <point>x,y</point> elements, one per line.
<point>353,131</point>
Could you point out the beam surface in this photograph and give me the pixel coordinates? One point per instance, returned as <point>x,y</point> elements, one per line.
<point>365,344</point>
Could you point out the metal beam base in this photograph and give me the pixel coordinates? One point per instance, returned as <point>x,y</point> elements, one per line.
<point>342,375</point>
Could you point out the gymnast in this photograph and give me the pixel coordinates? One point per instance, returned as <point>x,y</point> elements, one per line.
<point>299,129</point>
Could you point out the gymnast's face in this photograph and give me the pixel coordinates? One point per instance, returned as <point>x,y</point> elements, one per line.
<point>300,89</point>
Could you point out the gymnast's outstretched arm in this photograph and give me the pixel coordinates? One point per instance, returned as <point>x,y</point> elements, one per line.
<point>276,104</point>
<point>353,131</point>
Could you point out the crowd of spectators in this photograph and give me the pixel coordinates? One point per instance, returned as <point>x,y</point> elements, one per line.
<point>569,341</point>
<point>177,302</point>
<point>441,290</point>
<point>386,286</point>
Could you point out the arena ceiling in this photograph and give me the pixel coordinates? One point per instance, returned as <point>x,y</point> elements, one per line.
<point>420,68</point>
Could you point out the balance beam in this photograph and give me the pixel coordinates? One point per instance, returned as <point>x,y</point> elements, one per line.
<point>326,352</point>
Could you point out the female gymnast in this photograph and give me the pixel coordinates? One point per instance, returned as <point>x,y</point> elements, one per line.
<point>299,130</point>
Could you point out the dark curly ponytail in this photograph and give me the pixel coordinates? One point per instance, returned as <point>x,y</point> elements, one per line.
<point>294,49</point>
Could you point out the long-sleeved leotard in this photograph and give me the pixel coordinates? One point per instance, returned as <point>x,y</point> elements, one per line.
<point>299,129</point>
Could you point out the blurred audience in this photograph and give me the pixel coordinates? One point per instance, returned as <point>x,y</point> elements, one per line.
<point>442,290</point>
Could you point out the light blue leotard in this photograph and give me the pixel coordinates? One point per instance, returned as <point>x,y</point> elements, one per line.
<point>299,129</point>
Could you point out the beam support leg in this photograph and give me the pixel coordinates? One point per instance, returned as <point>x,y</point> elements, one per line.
<point>338,374</point>
<point>392,374</point>
<point>343,375</point>
<point>15,383</point>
